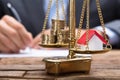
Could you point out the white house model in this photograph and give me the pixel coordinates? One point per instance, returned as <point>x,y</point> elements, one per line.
<point>95,41</point>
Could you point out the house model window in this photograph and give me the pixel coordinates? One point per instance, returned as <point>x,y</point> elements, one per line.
<point>95,41</point>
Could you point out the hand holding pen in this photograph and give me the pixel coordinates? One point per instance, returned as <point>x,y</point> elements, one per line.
<point>13,35</point>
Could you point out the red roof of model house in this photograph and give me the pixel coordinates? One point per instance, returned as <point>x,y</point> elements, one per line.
<point>91,33</point>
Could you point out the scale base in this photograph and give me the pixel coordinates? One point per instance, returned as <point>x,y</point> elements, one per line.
<point>60,65</point>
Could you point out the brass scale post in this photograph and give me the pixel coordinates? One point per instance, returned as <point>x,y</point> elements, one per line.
<point>72,26</point>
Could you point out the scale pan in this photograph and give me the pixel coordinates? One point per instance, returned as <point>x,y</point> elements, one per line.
<point>79,51</point>
<point>54,45</point>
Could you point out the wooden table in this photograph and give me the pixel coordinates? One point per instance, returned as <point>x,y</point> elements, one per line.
<point>104,67</point>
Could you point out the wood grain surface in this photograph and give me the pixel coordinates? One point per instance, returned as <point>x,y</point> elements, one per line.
<point>104,67</point>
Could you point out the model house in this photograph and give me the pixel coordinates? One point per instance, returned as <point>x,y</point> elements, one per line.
<point>95,41</point>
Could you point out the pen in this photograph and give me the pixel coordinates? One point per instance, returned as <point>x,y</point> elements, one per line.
<point>16,15</point>
<point>14,12</point>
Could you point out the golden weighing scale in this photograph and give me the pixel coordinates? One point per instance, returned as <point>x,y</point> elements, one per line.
<point>61,36</point>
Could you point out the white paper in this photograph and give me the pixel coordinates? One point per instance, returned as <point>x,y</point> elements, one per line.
<point>38,53</point>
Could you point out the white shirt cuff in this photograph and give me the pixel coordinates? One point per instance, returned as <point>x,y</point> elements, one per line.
<point>113,37</point>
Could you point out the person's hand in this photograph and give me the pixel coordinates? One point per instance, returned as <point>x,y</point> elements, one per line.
<point>13,35</point>
<point>38,39</point>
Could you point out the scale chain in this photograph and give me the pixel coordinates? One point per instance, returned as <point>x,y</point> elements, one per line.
<point>86,6</point>
<point>87,23</point>
<point>63,10</point>
<point>101,18</point>
<point>47,15</point>
<point>81,21</point>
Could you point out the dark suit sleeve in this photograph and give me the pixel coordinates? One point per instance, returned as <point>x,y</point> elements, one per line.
<point>1,9</point>
<point>4,9</point>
